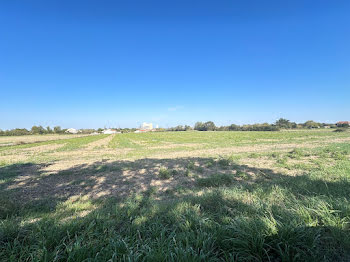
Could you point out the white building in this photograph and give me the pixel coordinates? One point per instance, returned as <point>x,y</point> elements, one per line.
<point>109,131</point>
<point>147,126</point>
<point>72,131</point>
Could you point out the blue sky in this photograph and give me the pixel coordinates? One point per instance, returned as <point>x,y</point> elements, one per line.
<point>119,63</point>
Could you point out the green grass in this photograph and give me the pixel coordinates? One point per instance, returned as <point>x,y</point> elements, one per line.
<point>216,180</point>
<point>228,209</point>
<point>76,143</point>
<point>218,139</point>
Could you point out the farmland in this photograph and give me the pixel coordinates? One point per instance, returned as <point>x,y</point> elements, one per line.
<point>188,196</point>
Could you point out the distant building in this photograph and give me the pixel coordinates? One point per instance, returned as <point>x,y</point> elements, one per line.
<point>343,123</point>
<point>147,126</point>
<point>143,130</point>
<point>109,131</point>
<point>72,131</point>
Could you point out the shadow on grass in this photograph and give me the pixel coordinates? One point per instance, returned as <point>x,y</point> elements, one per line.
<point>123,210</point>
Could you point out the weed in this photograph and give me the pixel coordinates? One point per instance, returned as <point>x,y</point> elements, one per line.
<point>275,155</point>
<point>242,175</point>
<point>210,163</point>
<point>253,155</point>
<point>282,161</point>
<point>224,163</point>
<point>191,165</point>
<point>296,153</point>
<point>164,173</point>
<point>188,173</point>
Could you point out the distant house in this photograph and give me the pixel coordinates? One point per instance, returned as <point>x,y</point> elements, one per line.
<point>142,131</point>
<point>343,123</point>
<point>109,131</point>
<point>72,131</point>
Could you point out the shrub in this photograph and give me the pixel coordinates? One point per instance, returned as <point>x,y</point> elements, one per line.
<point>164,173</point>
<point>174,172</point>
<point>340,130</point>
<point>188,173</point>
<point>191,166</point>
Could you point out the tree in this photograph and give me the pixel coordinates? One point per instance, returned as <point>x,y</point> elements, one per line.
<point>187,128</point>
<point>210,126</point>
<point>207,126</point>
<point>233,127</point>
<point>311,124</point>
<point>38,130</point>
<point>199,126</point>
<point>57,130</point>
<point>285,123</point>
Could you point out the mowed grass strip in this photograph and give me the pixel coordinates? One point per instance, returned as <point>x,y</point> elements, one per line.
<point>69,143</point>
<point>76,143</point>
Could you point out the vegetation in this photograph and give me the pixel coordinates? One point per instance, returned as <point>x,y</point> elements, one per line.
<point>177,196</point>
<point>199,126</point>
<point>180,128</point>
<point>278,125</point>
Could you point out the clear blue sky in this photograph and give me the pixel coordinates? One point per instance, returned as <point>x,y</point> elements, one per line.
<point>119,63</point>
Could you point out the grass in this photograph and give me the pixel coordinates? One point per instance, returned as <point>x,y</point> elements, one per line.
<point>291,203</point>
<point>216,180</point>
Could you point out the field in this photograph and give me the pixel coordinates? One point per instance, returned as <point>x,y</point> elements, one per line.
<point>176,196</point>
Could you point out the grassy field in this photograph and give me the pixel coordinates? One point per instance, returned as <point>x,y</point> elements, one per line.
<point>176,196</point>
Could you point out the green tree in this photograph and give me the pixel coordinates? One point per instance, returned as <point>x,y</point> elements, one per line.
<point>199,126</point>
<point>38,130</point>
<point>210,126</point>
<point>285,123</point>
<point>187,128</point>
<point>57,130</point>
<point>233,127</point>
<point>311,124</point>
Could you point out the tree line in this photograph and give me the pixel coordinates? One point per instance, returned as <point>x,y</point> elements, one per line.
<point>278,125</point>
<point>40,130</point>
<point>35,130</point>
<point>199,126</point>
